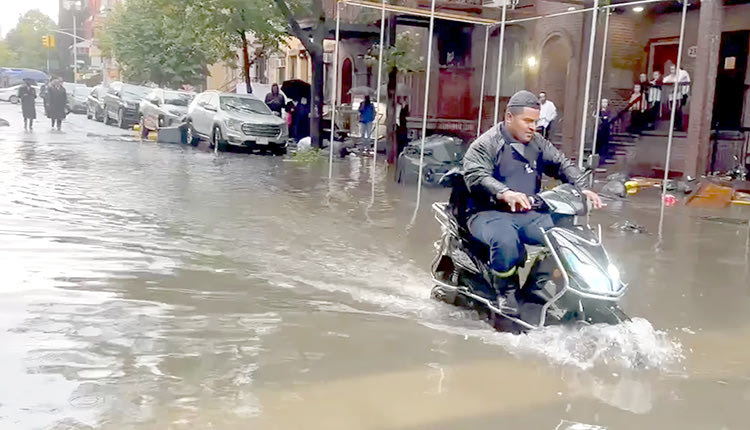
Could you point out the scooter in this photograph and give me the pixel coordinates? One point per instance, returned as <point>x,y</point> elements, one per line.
<point>569,280</point>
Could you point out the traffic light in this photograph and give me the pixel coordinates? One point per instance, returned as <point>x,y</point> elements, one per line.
<point>48,41</point>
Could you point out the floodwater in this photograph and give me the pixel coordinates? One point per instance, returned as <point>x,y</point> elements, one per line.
<point>153,286</point>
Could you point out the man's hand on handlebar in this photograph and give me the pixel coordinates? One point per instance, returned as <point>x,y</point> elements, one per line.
<point>518,202</point>
<point>596,201</point>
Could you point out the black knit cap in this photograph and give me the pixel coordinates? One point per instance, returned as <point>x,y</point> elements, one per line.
<point>524,98</point>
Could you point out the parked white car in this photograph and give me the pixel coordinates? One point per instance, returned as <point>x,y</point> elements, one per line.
<point>164,108</point>
<point>235,119</point>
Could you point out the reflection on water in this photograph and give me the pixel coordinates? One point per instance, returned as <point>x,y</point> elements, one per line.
<point>152,286</point>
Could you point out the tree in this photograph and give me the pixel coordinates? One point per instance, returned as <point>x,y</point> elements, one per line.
<point>151,44</point>
<point>8,57</point>
<point>25,40</point>
<point>312,37</point>
<point>231,21</point>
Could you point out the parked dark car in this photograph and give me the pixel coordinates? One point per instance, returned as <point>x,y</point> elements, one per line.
<point>95,103</point>
<point>121,103</point>
<point>77,99</point>
<point>441,153</point>
<point>164,108</point>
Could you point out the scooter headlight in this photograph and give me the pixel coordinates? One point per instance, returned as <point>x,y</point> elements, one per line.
<point>588,276</point>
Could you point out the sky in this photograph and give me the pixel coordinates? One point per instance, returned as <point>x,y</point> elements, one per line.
<point>12,9</point>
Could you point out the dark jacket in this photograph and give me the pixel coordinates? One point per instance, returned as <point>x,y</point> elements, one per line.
<point>58,99</point>
<point>28,100</point>
<point>275,102</point>
<point>482,158</point>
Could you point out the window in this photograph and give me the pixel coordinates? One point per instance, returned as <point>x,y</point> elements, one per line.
<point>293,67</point>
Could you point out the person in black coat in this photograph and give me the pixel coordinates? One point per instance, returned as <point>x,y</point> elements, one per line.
<point>301,120</point>
<point>58,98</point>
<point>27,95</point>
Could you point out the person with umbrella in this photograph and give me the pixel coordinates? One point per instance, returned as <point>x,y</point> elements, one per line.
<point>301,120</point>
<point>27,95</point>
<point>58,98</point>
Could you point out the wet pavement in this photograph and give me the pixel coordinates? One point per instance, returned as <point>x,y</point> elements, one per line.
<point>157,286</point>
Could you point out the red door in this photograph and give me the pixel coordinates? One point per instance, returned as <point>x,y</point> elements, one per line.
<point>346,82</point>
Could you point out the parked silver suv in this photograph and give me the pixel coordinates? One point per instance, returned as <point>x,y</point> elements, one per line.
<point>235,119</point>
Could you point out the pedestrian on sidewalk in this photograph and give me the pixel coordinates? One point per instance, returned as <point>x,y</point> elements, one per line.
<point>274,100</point>
<point>27,95</point>
<point>57,101</point>
<point>547,114</point>
<point>366,116</point>
<point>402,133</point>
<point>301,119</point>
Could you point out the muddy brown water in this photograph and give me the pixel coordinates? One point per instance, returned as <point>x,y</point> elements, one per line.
<point>150,286</point>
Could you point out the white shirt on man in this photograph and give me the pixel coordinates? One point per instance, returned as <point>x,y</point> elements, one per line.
<point>547,114</point>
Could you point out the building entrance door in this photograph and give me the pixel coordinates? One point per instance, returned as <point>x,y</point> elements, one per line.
<point>730,80</point>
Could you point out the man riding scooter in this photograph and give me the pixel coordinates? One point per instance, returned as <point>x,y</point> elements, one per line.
<point>504,167</point>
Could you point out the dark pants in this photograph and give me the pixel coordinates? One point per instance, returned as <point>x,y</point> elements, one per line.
<point>56,122</point>
<point>544,131</point>
<point>506,233</point>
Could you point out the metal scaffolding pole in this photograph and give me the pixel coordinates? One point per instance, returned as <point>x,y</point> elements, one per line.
<point>335,94</point>
<point>484,72</point>
<point>601,80</point>
<point>425,108</point>
<point>500,63</point>
<point>672,116</point>
<point>377,97</point>
<point>587,89</point>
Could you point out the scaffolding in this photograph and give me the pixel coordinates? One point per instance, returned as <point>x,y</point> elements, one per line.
<point>489,24</point>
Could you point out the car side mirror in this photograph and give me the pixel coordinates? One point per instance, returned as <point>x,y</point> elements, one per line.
<point>156,102</point>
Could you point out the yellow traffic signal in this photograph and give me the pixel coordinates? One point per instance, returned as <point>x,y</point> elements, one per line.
<point>45,41</point>
<point>51,41</point>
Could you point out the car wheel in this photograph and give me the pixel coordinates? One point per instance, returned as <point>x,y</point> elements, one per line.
<point>279,151</point>
<point>121,119</point>
<point>216,141</point>
<point>13,99</point>
<point>190,137</point>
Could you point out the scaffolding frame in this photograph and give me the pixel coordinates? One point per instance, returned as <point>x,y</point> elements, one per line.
<point>489,23</point>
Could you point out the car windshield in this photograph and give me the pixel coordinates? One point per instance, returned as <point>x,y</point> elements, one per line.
<point>175,98</point>
<point>244,104</point>
<point>134,92</point>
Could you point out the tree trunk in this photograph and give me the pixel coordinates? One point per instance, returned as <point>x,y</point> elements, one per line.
<point>246,62</point>
<point>391,142</point>
<point>316,90</point>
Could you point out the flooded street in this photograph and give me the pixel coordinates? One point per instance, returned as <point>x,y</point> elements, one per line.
<point>156,286</point>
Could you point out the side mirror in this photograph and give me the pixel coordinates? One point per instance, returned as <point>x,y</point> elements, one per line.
<point>156,102</point>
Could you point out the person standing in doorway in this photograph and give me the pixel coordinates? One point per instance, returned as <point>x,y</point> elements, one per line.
<point>58,98</point>
<point>366,116</point>
<point>275,100</point>
<point>547,114</point>
<point>638,106</point>
<point>602,136</point>
<point>654,98</point>
<point>27,95</point>
<point>681,78</point>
